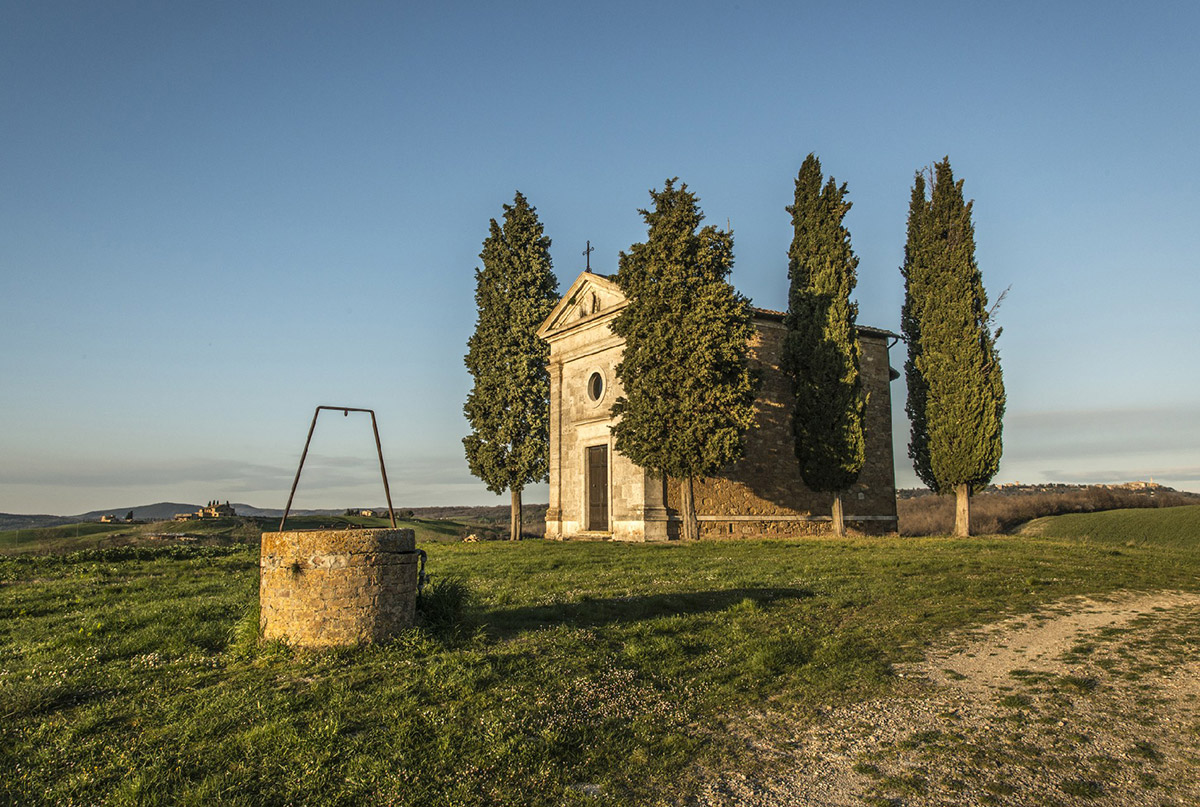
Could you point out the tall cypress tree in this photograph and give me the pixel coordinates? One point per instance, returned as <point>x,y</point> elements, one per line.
<point>509,406</point>
<point>821,350</point>
<point>689,395</point>
<point>955,385</point>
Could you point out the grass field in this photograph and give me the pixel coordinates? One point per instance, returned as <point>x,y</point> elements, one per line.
<point>578,673</point>
<point>996,511</point>
<point>1173,527</point>
<point>216,531</point>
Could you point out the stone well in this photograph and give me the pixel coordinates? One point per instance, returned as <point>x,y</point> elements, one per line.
<point>320,588</point>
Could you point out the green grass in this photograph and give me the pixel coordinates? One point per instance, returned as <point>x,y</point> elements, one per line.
<point>425,529</point>
<point>49,539</point>
<point>1083,788</point>
<point>580,673</point>
<point>1173,527</point>
<point>94,535</point>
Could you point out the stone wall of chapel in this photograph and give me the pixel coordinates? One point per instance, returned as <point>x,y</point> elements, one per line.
<point>767,481</point>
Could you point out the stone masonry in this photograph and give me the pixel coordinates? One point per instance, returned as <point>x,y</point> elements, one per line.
<point>322,588</point>
<point>597,493</point>
<point>764,494</point>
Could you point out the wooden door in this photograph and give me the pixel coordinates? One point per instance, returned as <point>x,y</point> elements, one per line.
<point>597,488</point>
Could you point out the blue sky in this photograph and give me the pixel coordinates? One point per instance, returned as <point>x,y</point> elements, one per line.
<point>214,217</point>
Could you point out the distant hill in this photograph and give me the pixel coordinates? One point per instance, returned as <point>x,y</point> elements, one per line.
<point>1149,489</point>
<point>165,511</point>
<point>276,512</point>
<point>498,513</point>
<point>160,511</point>
<point>145,512</point>
<point>13,521</point>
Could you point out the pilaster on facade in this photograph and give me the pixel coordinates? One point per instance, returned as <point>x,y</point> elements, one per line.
<point>554,511</point>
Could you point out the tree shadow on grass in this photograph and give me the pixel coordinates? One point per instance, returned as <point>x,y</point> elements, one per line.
<point>40,703</point>
<point>590,613</point>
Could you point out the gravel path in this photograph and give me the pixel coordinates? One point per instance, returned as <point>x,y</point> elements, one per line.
<point>1090,701</point>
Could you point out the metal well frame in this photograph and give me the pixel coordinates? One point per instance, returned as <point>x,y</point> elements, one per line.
<point>345,410</point>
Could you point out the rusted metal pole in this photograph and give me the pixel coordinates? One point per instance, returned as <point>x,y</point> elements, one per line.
<point>345,410</point>
<point>296,481</point>
<point>383,471</point>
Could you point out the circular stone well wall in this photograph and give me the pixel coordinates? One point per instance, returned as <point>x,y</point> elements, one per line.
<point>320,588</point>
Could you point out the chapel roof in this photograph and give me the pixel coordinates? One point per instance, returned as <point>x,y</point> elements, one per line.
<point>609,282</point>
<point>777,316</point>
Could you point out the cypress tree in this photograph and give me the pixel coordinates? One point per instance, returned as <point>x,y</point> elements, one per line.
<point>509,406</point>
<point>821,350</point>
<point>955,386</point>
<point>689,394</point>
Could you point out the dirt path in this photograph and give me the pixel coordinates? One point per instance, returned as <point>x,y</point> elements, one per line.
<point>1041,646</point>
<point>1088,702</point>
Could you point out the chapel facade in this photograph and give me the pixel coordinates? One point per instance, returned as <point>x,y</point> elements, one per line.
<point>597,493</point>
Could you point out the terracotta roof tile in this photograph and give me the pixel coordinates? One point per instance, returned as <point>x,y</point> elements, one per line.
<point>767,313</point>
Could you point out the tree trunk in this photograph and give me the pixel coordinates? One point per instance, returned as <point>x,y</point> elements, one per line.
<point>839,521</point>
<point>514,525</point>
<point>962,511</point>
<point>687,509</point>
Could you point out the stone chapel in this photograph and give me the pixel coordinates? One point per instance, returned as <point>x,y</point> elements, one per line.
<point>597,493</point>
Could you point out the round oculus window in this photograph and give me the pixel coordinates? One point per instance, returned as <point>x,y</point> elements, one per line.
<point>595,386</point>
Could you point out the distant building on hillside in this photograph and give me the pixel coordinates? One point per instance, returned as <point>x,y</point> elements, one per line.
<point>1139,485</point>
<point>378,512</point>
<point>1150,488</point>
<point>214,509</point>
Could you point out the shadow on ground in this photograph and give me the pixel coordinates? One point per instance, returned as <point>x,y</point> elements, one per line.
<point>588,613</point>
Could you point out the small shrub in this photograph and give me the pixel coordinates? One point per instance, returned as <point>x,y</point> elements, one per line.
<point>442,605</point>
<point>1014,701</point>
<point>778,656</point>
<point>1145,749</point>
<point>1079,683</point>
<point>1147,780</point>
<point>1000,788</point>
<point>244,635</point>
<point>912,784</point>
<point>1083,788</point>
<point>879,801</point>
<point>927,737</point>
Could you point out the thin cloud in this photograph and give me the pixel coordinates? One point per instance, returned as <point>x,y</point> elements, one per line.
<point>1062,436</point>
<point>100,474</point>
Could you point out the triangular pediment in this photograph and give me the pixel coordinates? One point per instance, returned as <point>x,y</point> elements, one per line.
<point>590,297</point>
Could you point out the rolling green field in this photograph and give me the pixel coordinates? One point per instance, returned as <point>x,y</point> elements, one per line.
<point>216,531</point>
<point>579,673</point>
<point>1173,527</point>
